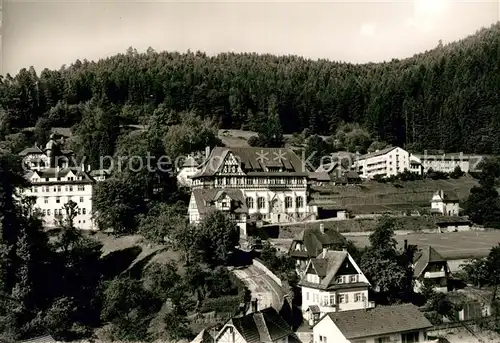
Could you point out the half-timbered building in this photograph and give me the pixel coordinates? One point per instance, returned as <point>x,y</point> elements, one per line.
<point>271,182</point>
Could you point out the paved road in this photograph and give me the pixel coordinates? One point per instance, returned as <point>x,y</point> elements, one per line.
<point>261,287</point>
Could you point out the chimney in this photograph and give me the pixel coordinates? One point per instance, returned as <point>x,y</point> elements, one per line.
<point>324,252</point>
<point>254,305</point>
<point>207,152</point>
<point>344,249</point>
<point>322,228</point>
<point>88,167</point>
<point>406,245</point>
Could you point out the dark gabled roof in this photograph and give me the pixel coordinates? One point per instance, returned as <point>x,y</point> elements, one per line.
<point>378,321</point>
<point>326,267</point>
<point>204,198</point>
<point>313,240</point>
<point>62,172</point>
<point>423,258</point>
<point>263,326</point>
<point>320,176</point>
<point>453,221</point>
<point>377,153</point>
<point>254,160</point>
<point>446,197</point>
<point>31,150</point>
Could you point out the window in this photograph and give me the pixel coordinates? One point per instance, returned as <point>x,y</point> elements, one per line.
<point>250,202</point>
<point>81,187</point>
<point>48,212</point>
<point>340,279</point>
<point>249,181</point>
<point>58,188</point>
<point>342,299</point>
<point>46,200</point>
<point>44,212</point>
<point>383,340</point>
<point>410,337</point>
<point>81,200</point>
<point>300,202</point>
<point>261,202</point>
<point>332,299</point>
<point>47,189</point>
<point>71,188</point>
<point>307,295</point>
<point>84,211</point>
<point>322,339</point>
<point>47,179</point>
<point>35,189</point>
<point>288,202</point>
<point>224,204</point>
<point>58,200</point>
<point>353,278</point>
<point>357,297</point>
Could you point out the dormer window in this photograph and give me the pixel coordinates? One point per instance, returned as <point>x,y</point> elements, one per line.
<point>225,204</point>
<point>340,279</point>
<point>353,278</point>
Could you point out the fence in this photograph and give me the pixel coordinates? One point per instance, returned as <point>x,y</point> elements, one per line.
<point>257,263</point>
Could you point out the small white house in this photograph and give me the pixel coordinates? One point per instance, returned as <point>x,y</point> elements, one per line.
<point>400,323</point>
<point>333,282</point>
<point>430,266</point>
<point>445,204</point>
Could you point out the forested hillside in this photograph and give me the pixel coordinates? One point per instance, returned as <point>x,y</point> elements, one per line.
<point>447,98</point>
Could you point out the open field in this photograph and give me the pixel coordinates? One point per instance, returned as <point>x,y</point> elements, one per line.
<point>376,197</point>
<point>451,245</point>
<point>407,223</point>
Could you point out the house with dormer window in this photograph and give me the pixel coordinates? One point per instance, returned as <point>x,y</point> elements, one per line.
<point>259,326</point>
<point>54,182</point>
<point>311,241</point>
<point>272,181</point>
<point>429,266</point>
<point>231,201</point>
<point>333,282</point>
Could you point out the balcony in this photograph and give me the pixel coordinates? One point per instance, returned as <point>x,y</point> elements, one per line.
<point>432,275</point>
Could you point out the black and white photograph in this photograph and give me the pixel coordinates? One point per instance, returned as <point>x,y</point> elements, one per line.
<point>240,171</point>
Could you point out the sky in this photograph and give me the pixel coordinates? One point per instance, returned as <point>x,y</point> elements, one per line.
<point>47,34</point>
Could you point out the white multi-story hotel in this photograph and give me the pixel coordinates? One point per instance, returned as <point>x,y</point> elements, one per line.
<point>386,162</point>
<point>54,183</point>
<point>268,184</point>
<point>445,163</point>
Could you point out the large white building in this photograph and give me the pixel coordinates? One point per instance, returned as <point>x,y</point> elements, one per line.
<point>54,182</point>
<point>268,184</point>
<point>386,162</point>
<point>333,282</point>
<point>445,163</point>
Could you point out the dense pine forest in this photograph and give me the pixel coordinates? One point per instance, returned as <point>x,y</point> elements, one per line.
<point>447,98</point>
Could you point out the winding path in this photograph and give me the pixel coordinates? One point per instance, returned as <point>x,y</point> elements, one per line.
<point>261,287</point>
